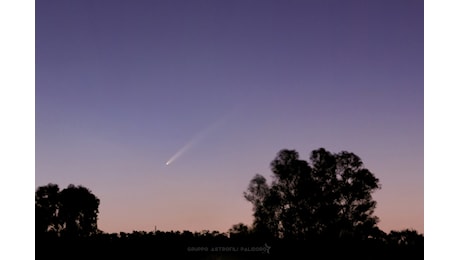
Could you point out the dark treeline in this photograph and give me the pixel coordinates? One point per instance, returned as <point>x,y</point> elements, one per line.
<point>406,244</point>
<point>320,209</point>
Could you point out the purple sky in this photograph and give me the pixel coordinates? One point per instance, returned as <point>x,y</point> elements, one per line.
<point>121,86</point>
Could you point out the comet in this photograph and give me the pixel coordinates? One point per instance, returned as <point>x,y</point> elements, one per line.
<point>195,139</point>
<point>186,147</point>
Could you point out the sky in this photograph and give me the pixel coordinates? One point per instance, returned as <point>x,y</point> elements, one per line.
<point>217,88</point>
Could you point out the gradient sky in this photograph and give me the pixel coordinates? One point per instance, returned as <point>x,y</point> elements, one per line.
<point>121,86</point>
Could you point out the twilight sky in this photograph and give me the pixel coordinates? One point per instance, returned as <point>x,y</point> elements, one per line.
<point>122,86</point>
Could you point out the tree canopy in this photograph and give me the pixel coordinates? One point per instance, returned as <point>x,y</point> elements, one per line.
<point>328,196</point>
<point>71,212</point>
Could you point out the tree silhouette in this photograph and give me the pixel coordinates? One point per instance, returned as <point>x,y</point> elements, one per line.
<point>406,237</point>
<point>78,211</point>
<point>71,212</point>
<point>238,230</point>
<point>330,197</point>
<point>46,209</point>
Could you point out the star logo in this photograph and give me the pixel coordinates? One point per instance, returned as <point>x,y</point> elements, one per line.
<point>267,248</point>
